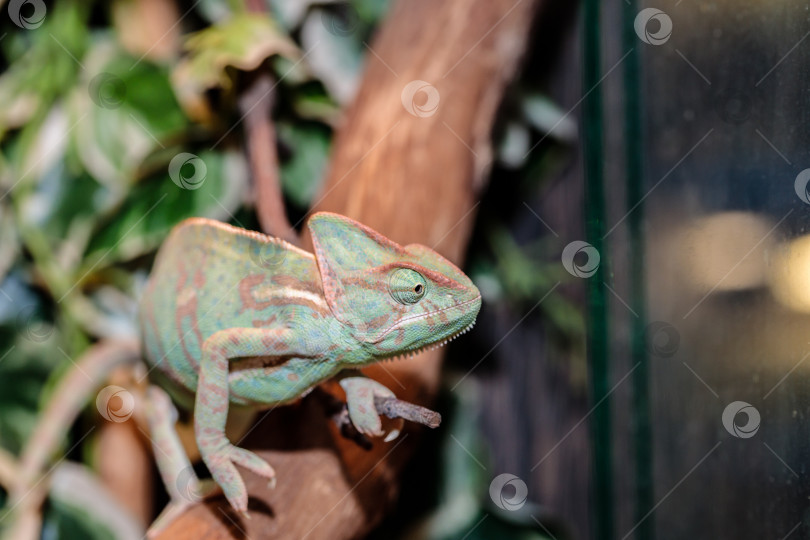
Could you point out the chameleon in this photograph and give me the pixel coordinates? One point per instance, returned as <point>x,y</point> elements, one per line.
<point>234,318</point>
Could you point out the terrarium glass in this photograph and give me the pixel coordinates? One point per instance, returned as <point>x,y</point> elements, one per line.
<point>698,161</point>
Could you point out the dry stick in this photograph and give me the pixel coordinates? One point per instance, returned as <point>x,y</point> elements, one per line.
<point>256,104</point>
<point>396,408</point>
<point>8,470</point>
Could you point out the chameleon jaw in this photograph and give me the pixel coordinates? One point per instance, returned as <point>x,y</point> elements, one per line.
<point>431,346</point>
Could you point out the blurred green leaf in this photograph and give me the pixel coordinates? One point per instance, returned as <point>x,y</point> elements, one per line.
<point>548,118</point>
<point>514,145</point>
<point>302,171</point>
<point>290,13</point>
<point>27,347</point>
<point>9,246</point>
<point>125,111</point>
<point>80,507</point>
<point>311,103</point>
<point>335,53</point>
<point>65,521</point>
<point>244,41</point>
<point>523,276</point>
<point>155,205</point>
<point>26,89</point>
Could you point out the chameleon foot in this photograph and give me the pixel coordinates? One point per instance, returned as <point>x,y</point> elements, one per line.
<point>221,463</point>
<point>360,392</point>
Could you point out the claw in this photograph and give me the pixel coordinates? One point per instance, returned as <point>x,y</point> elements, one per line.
<point>395,431</point>
<point>221,464</point>
<point>360,392</point>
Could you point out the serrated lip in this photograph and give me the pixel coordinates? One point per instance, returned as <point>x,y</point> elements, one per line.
<point>432,346</point>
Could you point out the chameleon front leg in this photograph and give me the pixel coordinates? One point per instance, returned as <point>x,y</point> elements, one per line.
<point>360,393</point>
<point>211,407</point>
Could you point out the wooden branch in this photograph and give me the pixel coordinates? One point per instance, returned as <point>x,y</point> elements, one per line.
<point>415,179</point>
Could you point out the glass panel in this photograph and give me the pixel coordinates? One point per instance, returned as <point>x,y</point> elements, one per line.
<point>705,267</point>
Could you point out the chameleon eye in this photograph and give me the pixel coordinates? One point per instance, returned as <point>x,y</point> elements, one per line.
<point>407,286</point>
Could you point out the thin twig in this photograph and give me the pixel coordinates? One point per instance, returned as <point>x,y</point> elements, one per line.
<point>256,104</point>
<point>396,408</point>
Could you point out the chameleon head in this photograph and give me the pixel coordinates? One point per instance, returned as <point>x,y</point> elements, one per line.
<point>392,299</point>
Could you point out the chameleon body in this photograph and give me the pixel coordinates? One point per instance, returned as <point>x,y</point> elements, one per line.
<point>238,317</point>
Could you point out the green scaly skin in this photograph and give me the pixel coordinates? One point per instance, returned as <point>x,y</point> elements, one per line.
<point>236,316</point>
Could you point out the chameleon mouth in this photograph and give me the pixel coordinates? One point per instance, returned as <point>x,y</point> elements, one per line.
<point>432,346</point>
<point>451,338</point>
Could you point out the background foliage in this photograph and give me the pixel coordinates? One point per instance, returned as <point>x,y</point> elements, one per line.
<point>94,107</point>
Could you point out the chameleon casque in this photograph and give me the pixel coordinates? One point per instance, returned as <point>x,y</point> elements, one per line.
<point>234,316</point>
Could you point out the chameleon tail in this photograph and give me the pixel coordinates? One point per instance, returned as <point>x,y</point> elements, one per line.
<point>173,464</point>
